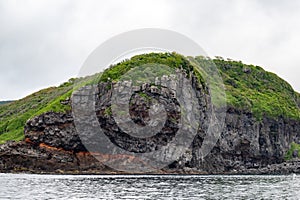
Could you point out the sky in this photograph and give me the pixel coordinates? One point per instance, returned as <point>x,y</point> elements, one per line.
<point>44,43</point>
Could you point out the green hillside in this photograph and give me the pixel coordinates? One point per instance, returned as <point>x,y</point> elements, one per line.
<point>14,115</point>
<point>251,88</point>
<point>248,87</point>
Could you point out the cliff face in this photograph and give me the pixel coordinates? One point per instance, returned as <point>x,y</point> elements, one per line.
<point>246,145</point>
<point>51,145</point>
<point>261,122</point>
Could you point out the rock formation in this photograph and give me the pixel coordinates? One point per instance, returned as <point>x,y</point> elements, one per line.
<point>246,144</point>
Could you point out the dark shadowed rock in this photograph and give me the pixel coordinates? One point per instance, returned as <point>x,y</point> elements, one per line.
<point>54,129</point>
<point>295,154</point>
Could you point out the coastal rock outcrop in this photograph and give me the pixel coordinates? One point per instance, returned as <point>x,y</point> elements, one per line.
<point>246,144</point>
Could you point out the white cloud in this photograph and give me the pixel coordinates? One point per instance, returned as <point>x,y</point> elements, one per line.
<point>43,43</point>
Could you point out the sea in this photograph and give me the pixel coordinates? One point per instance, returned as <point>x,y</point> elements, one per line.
<point>30,186</point>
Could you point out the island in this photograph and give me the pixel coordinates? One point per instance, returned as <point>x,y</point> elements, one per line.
<point>261,132</point>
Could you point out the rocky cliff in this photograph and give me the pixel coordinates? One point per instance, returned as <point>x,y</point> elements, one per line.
<point>261,123</point>
<point>51,146</point>
<point>246,145</point>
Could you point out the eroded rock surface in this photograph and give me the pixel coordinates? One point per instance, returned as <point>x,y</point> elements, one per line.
<point>246,145</point>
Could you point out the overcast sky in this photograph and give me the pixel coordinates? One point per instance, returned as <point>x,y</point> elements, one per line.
<point>44,43</point>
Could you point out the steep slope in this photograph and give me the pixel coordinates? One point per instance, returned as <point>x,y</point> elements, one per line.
<point>248,87</point>
<point>14,115</point>
<point>251,88</point>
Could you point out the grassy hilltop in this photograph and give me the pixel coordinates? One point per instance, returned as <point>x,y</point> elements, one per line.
<point>247,87</point>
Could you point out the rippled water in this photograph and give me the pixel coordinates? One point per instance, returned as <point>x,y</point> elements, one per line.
<point>24,186</point>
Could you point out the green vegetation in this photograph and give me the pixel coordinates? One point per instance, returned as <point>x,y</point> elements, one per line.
<point>171,60</point>
<point>294,147</point>
<point>251,88</point>
<point>247,87</point>
<point>108,112</point>
<point>145,96</point>
<point>146,73</point>
<point>13,116</point>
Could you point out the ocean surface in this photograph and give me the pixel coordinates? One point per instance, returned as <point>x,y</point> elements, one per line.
<point>25,186</point>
